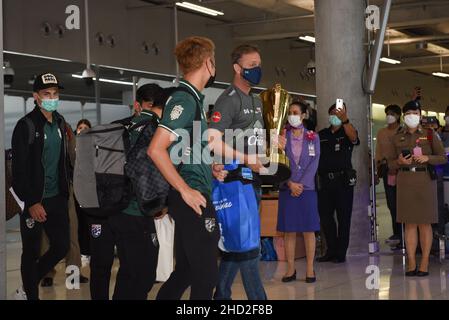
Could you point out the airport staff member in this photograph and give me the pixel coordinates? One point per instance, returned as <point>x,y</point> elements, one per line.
<point>336,183</point>
<point>40,167</point>
<point>414,154</point>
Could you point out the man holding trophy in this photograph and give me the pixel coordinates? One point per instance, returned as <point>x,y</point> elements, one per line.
<point>242,113</point>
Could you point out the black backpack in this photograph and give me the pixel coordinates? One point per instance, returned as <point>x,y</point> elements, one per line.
<point>99,181</point>
<point>147,183</point>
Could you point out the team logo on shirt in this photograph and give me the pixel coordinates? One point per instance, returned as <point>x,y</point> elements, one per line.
<point>216,117</point>
<point>30,223</point>
<point>210,224</point>
<point>154,239</point>
<point>96,230</point>
<point>176,112</point>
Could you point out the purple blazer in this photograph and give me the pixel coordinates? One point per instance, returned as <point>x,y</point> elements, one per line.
<point>305,171</point>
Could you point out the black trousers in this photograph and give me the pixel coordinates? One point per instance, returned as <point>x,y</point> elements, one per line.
<point>390,193</point>
<point>336,198</point>
<point>196,252</point>
<point>34,266</point>
<point>137,249</point>
<point>83,229</point>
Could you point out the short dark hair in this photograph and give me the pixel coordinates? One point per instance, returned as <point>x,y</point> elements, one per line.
<point>84,121</point>
<point>148,93</point>
<point>393,108</point>
<point>302,106</point>
<point>334,106</point>
<point>447,109</point>
<point>241,50</point>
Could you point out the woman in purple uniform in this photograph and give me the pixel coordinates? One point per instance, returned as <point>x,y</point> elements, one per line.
<point>298,204</point>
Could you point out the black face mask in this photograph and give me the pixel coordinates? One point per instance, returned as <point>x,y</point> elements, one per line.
<point>211,80</point>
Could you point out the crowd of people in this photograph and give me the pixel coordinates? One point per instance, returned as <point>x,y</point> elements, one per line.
<point>318,195</point>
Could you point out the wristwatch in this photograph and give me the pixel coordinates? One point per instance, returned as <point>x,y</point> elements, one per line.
<point>346,122</point>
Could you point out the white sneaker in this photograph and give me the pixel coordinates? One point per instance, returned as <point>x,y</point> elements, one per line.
<point>20,294</point>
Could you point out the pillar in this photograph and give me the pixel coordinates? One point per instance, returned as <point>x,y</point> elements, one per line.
<point>340,58</point>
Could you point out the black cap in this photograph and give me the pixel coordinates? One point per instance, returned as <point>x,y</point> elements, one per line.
<point>45,81</point>
<point>411,105</point>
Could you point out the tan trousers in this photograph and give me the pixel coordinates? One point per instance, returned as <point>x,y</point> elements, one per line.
<point>73,256</point>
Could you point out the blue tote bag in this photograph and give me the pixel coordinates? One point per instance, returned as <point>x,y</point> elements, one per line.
<point>238,215</point>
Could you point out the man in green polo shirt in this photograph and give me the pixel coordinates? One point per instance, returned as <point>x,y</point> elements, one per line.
<point>189,202</point>
<point>40,179</point>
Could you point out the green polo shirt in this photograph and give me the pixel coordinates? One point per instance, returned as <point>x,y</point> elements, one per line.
<point>133,207</point>
<point>50,158</point>
<point>179,113</point>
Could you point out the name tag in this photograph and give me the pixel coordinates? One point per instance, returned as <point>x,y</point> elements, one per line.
<point>312,152</point>
<point>247,173</point>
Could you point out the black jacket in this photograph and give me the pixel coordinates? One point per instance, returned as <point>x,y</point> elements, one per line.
<point>27,169</point>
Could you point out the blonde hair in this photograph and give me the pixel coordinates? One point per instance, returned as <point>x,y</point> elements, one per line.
<point>191,53</point>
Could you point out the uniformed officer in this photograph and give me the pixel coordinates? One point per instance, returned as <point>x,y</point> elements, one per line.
<point>189,202</point>
<point>336,181</point>
<point>130,231</point>
<point>238,109</point>
<point>414,154</point>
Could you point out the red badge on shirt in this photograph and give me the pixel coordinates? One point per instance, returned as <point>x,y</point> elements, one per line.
<point>216,117</point>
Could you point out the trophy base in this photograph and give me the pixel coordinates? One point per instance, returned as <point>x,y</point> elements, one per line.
<point>275,177</point>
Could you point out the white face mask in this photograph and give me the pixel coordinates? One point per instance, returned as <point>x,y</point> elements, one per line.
<point>412,120</point>
<point>295,121</point>
<point>391,119</point>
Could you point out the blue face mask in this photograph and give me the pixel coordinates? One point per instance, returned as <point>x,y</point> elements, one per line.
<point>50,105</point>
<point>334,121</point>
<point>253,75</point>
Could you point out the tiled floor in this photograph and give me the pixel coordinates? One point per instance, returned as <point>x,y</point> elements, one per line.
<point>342,281</point>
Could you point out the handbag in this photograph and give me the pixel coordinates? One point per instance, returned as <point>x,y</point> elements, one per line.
<point>165,229</point>
<point>237,215</point>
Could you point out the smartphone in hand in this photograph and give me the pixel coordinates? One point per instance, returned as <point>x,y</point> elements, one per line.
<point>339,104</point>
<point>406,154</point>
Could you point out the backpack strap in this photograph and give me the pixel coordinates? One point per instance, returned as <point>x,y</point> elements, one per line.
<point>145,123</point>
